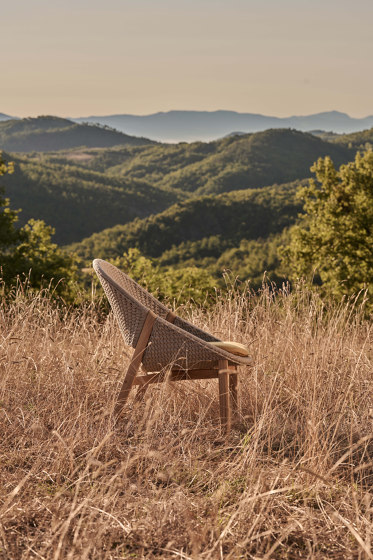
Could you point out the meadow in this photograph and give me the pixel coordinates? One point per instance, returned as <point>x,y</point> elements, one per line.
<point>292,480</point>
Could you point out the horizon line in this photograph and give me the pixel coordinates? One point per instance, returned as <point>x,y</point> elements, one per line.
<point>116,114</point>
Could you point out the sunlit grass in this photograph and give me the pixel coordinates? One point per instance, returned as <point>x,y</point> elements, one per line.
<point>293,479</point>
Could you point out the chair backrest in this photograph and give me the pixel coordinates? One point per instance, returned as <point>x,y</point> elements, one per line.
<point>122,293</point>
<point>169,342</point>
<point>108,273</point>
<point>130,287</point>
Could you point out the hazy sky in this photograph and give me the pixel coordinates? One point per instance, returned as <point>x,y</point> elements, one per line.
<point>276,57</point>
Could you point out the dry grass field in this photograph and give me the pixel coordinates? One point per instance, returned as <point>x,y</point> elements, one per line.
<point>293,479</point>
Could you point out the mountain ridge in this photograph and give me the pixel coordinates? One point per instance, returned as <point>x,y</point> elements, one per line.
<point>178,126</point>
<point>189,126</point>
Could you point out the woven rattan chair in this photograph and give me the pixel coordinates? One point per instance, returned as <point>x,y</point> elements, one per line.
<point>167,346</point>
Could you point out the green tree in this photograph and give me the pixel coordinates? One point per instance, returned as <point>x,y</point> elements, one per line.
<point>30,252</point>
<point>42,260</point>
<point>333,240</point>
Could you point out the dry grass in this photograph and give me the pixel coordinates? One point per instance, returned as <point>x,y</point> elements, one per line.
<point>293,480</point>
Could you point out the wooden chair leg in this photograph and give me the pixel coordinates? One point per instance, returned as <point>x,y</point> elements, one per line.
<point>224,400</point>
<point>135,362</point>
<point>233,389</point>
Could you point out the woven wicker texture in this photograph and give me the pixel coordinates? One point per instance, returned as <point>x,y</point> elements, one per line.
<point>132,288</point>
<point>178,344</point>
<point>129,315</point>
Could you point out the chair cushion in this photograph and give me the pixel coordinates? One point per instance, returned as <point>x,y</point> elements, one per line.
<point>233,347</point>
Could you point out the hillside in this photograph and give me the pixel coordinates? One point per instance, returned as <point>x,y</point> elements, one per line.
<point>190,126</point>
<point>82,191</point>
<point>239,162</point>
<point>77,201</point>
<point>224,220</point>
<point>239,231</point>
<point>256,160</point>
<point>85,190</point>
<point>43,134</point>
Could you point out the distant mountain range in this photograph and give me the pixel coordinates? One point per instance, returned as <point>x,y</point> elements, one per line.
<point>178,126</point>
<point>190,126</point>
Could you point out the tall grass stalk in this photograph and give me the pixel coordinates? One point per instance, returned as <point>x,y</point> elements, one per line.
<point>293,479</point>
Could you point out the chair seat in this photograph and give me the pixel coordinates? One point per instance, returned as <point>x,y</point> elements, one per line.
<point>235,348</point>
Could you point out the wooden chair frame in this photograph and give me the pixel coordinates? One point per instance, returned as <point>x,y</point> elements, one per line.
<point>221,370</point>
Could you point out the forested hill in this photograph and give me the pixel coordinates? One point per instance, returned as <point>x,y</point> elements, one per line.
<point>229,217</point>
<point>43,134</point>
<point>217,205</point>
<point>76,201</point>
<point>82,191</point>
<point>239,162</point>
<point>254,160</point>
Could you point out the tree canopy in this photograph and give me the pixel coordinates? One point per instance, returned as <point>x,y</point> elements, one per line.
<point>334,238</point>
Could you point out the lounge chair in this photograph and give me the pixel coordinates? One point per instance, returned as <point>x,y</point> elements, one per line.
<point>167,346</point>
